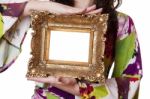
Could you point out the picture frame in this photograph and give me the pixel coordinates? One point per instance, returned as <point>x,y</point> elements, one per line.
<point>43,62</point>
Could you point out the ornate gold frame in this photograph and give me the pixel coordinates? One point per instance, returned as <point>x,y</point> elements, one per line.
<point>40,66</point>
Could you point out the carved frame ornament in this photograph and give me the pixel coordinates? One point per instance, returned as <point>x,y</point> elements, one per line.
<point>43,22</point>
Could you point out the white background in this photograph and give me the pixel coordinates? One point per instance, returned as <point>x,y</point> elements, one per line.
<point>13,84</point>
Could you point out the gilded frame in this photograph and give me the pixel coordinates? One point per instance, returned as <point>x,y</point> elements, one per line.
<point>40,66</point>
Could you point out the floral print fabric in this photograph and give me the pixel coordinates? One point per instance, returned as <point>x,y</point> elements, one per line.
<point>125,54</point>
<point>127,67</point>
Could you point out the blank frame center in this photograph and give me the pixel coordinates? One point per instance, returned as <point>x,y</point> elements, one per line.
<point>69,46</point>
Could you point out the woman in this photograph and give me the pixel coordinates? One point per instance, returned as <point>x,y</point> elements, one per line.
<point>122,48</point>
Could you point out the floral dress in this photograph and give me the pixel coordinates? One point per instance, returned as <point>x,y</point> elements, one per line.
<point>125,54</point>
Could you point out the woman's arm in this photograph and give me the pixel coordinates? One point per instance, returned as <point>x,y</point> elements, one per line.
<point>57,8</point>
<point>12,31</point>
<point>52,7</point>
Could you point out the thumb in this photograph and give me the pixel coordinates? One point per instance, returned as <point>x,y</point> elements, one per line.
<point>67,80</point>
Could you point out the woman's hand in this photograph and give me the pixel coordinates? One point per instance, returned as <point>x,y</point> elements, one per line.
<point>67,84</point>
<point>54,80</point>
<point>57,8</point>
<point>52,7</point>
<point>92,10</point>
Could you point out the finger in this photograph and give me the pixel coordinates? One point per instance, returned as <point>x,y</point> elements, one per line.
<point>93,7</point>
<point>50,80</point>
<point>76,11</point>
<point>95,11</point>
<point>42,80</point>
<point>79,11</point>
<point>67,80</point>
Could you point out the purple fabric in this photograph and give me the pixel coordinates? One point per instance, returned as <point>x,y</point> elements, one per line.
<point>134,68</point>
<point>13,9</point>
<point>61,93</point>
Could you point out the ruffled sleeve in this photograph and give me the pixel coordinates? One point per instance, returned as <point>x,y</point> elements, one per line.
<point>13,29</point>
<point>127,72</point>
